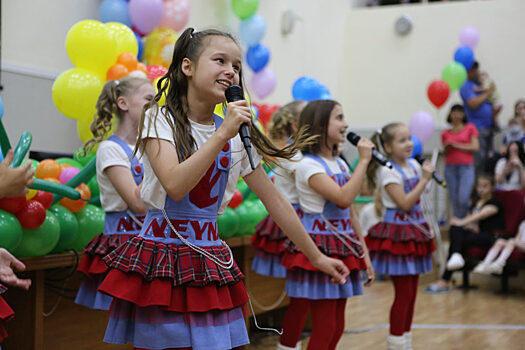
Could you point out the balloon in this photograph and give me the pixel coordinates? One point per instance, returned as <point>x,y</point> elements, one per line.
<point>1,108</point>
<point>251,207</point>
<point>48,168</point>
<point>324,92</point>
<point>236,199</point>
<point>228,223</point>
<point>21,149</point>
<point>67,174</point>
<point>69,161</point>
<point>244,8</point>
<point>260,211</point>
<point>124,37</point>
<point>32,215</point>
<point>258,57</point>
<point>469,36</point>
<point>115,11</point>
<point>155,72</point>
<point>83,158</point>
<point>263,82</point>
<point>68,227</point>
<point>422,125</point>
<point>159,46</point>
<point>128,60</point>
<point>145,14</point>
<point>454,74</point>
<point>91,45</point>
<point>31,194</point>
<point>44,198</point>
<point>418,146</point>
<point>140,44</point>
<point>438,92</point>
<point>175,15</point>
<point>116,72</point>
<point>11,231</point>
<point>93,187</point>
<point>162,100</point>
<point>13,204</point>
<point>90,223</point>
<point>252,30</point>
<point>75,92</point>
<point>306,88</point>
<point>244,220</point>
<point>465,56</point>
<point>39,241</point>
<point>84,175</point>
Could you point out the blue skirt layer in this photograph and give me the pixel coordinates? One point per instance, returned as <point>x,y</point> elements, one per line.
<point>153,328</point>
<point>89,296</point>
<point>317,285</point>
<point>396,265</point>
<point>268,265</point>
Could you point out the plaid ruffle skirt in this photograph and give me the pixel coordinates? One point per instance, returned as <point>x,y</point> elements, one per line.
<point>6,313</point>
<point>268,242</point>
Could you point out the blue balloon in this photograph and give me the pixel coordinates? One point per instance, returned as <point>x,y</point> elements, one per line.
<point>418,146</point>
<point>307,89</point>
<point>115,11</point>
<point>252,30</point>
<point>141,46</point>
<point>1,108</point>
<point>258,57</point>
<point>465,56</point>
<point>324,93</point>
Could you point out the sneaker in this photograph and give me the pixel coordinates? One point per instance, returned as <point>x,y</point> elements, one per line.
<point>482,268</point>
<point>495,268</point>
<point>455,262</point>
<point>436,288</point>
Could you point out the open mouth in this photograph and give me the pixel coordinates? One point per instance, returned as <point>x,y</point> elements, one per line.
<point>225,83</point>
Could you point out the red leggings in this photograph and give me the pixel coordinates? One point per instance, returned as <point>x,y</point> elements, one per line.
<point>402,310</point>
<point>328,322</point>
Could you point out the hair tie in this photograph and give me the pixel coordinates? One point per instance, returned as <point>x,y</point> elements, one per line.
<point>117,82</point>
<point>193,33</point>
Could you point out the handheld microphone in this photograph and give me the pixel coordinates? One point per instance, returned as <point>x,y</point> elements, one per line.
<point>233,94</point>
<point>435,176</point>
<point>353,138</point>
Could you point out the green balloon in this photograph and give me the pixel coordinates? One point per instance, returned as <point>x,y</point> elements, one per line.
<point>253,216</point>
<point>68,227</point>
<point>243,188</point>
<point>10,231</point>
<point>260,211</point>
<point>34,163</point>
<point>83,159</point>
<point>93,186</point>
<point>244,8</point>
<point>244,220</point>
<point>69,161</point>
<point>41,240</point>
<point>228,223</point>
<point>454,74</point>
<point>90,224</point>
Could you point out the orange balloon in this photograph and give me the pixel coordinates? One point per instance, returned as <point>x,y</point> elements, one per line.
<point>128,60</point>
<point>116,72</point>
<point>142,67</point>
<point>77,205</point>
<point>48,168</point>
<point>52,179</point>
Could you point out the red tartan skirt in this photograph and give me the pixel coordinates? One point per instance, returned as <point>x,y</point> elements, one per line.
<point>92,263</point>
<point>269,237</point>
<point>398,239</point>
<point>331,246</point>
<point>6,313</point>
<point>175,277</point>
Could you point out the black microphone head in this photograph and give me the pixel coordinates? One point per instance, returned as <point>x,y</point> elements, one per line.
<point>353,138</point>
<point>419,158</point>
<point>234,93</point>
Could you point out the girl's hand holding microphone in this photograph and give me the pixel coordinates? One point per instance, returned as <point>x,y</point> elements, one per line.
<point>364,147</point>
<point>237,113</point>
<point>428,169</point>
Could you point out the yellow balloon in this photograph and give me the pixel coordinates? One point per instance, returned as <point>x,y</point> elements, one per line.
<point>84,129</point>
<point>219,110</point>
<point>158,47</point>
<point>91,45</point>
<point>75,93</point>
<point>125,38</point>
<point>31,194</point>
<point>162,100</point>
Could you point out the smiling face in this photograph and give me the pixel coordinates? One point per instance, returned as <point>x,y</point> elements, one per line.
<point>401,146</point>
<point>337,126</point>
<point>217,68</point>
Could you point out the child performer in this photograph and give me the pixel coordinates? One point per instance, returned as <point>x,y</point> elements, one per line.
<point>176,284</point>
<point>269,238</point>
<point>326,193</point>
<point>119,175</point>
<point>401,244</point>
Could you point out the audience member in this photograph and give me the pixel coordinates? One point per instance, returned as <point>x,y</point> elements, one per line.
<point>509,172</point>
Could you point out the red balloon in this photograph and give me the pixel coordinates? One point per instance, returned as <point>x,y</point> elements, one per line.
<point>45,198</point>
<point>265,113</point>
<point>32,215</point>
<point>13,204</point>
<point>155,71</point>
<point>236,199</point>
<point>438,92</point>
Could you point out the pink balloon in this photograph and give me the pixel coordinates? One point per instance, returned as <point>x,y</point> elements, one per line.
<point>469,36</point>
<point>155,71</point>
<point>422,126</point>
<point>145,14</point>
<point>263,83</point>
<point>176,14</point>
<point>67,174</point>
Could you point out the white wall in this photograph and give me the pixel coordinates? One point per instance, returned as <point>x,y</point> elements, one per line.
<point>378,76</point>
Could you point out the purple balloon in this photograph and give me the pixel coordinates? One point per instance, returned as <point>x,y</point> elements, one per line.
<point>263,83</point>
<point>145,14</point>
<point>422,126</point>
<point>469,36</point>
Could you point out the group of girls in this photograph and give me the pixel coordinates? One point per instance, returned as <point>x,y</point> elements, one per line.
<point>167,278</point>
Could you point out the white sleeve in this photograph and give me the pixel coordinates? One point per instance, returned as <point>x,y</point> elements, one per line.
<point>306,168</point>
<point>246,168</point>
<point>157,127</point>
<point>109,153</point>
<point>500,165</point>
<point>389,176</point>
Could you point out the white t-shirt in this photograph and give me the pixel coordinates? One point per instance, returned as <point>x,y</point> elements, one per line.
<point>310,200</point>
<point>392,176</point>
<point>513,182</point>
<point>368,217</point>
<point>154,195</point>
<point>284,179</point>
<point>110,153</point>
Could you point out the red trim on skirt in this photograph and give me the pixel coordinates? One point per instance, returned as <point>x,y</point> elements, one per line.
<point>400,248</point>
<point>299,260</point>
<point>268,245</point>
<point>92,265</point>
<point>6,313</point>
